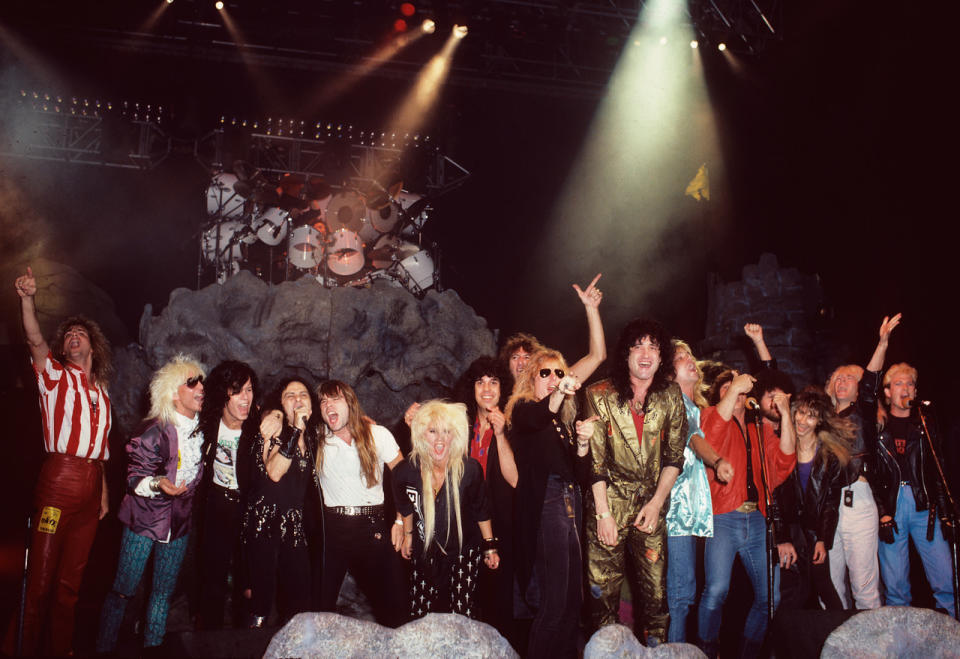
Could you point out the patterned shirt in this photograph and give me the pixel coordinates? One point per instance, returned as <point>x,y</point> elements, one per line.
<point>76,413</point>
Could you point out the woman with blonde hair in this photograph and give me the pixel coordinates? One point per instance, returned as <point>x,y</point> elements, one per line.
<point>552,463</point>
<point>441,494</point>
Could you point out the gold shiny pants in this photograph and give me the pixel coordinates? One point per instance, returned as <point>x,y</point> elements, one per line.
<point>645,556</point>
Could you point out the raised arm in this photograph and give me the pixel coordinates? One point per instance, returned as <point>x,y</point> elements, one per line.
<point>754,332</point>
<point>880,352</point>
<point>26,286</point>
<point>591,298</point>
<point>741,384</point>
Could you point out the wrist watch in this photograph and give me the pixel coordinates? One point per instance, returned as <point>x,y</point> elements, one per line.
<point>603,515</point>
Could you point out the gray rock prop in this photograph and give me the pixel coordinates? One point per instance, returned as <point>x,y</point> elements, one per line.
<point>435,635</point>
<point>619,641</point>
<point>895,631</point>
<point>392,347</point>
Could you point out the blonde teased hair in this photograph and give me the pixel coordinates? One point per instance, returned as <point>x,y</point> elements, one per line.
<point>524,388</point>
<point>165,383</point>
<point>699,388</point>
<point>831,386</point>
<point>440,416</point>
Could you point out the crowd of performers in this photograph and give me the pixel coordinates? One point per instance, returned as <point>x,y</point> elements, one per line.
<point>511,505</point>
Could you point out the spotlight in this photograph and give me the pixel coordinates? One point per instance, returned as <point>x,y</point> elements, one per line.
<point>428,26</point>
<point>407,9</point>
<point>169,2</point>
<point>722,47</point>
<point>694,43</point>
<point>663,41</point>
<point>219,4</point>
<point>460,31</point>
<point>399,25</point>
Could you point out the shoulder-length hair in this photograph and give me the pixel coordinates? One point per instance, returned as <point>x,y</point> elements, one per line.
<point>274,401</point>
<point>698,388</point>
<point>634,332</point>
<point>527,342</point>
<point>440,416</point>
<point>99,347</point>
<point>226,379</point>
<point>847,369</point>
<point>360,429</point>
<point>835,434</point>
<point>524,388</point>
<point>713,393</point>
<point>492,367</point>
<point>165,383</point>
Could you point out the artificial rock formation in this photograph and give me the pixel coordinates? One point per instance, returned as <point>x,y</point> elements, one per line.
<point>435,635</point>
<point>895,631</point>
<point>619,641</point>
<point>390,346</point>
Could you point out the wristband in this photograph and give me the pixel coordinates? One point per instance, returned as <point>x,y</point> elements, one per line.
<point>489,545</point>
<point>603,515</point>
<point>155,485</point>
<point>398,522</point>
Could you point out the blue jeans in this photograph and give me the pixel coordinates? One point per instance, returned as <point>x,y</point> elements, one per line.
<point>734,534</point>
<point>559,573</point>
<point>135,550</point>
<point>935,555</point>
<point>681,584</point>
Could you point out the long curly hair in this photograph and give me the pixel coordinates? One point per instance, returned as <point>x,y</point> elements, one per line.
<point>274,401</point>
<point>524,388</point>
<point>480,367</point>
<point>226,379</point>
<point>440,416</point>
<point>713,392</point>
<point>634,332</point>
<point>834,433</point>
<point>99,347</point>
<point>516,341</point>
<point>360,429</point>
<point>165,383</point>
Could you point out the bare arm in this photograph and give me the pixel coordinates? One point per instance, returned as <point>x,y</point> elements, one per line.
<point>26,286</point>
<point>712,458</point>
<point>788,439</point>
<point>741,384</point>
<point>508,464</point>
<point>755,334</point>
<point>591,298</point>
<point>880,353</point>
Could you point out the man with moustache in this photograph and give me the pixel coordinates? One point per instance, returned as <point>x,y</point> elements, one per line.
<point>71,495</point>
<point>228,429</point>
<point>637,452</point>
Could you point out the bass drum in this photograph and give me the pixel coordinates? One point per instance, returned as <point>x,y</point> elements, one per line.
<point>306,249</point>
<point>271,226</point>
<point>222,199</point>
<point>345,253</point>
<point>417,272</point>
<point>232,234</point>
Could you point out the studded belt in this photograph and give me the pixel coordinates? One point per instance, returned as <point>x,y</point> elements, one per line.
<point>357,511</point>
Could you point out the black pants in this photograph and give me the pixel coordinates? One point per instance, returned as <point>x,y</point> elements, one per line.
<point>272,562</point>
<point>362,545</point>
<point>219,546</point>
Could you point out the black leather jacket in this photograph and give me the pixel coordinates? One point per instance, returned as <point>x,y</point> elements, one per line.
<point>927,488</point>
<point>812,513</point>
<point>863,413</point>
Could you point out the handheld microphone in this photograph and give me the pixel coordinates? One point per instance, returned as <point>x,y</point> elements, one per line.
<point>752,403</point>
<point>910,403</point>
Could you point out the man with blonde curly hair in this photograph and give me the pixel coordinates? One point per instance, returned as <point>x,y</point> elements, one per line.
<point>71,495</point>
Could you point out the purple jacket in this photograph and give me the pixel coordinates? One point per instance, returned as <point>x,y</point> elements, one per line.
<point>154,453</point>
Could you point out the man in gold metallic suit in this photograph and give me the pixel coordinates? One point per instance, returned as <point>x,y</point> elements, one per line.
<point>637,452</point>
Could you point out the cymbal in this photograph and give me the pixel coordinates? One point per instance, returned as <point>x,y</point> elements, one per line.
<point>394,188</point>
<point>264,194</point>
<point>244,170</point>
<point>243,189</point>
<point>388,253</point>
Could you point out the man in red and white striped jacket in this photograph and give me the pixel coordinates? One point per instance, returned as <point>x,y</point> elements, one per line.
<point>71,496</point>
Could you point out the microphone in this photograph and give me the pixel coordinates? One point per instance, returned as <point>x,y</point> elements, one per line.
<point>910,403</point>
<point>752,403</point>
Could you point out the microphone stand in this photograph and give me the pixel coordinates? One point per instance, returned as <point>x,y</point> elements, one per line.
<point>950,513</point>
<point>770,517</point>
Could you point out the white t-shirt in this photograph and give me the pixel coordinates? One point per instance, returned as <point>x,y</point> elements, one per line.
<point>342,479</point>
<point>225,458</point>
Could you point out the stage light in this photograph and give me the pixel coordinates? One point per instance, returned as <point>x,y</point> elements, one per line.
<point>407,9</point>
<point>722,47</point>
<point>219,4</point>
<point>429,26</point>
<point>694,43</point>
<point>169,2</point>
<point>663,41</point>
<point>460,31</point>
<point>399,25</point>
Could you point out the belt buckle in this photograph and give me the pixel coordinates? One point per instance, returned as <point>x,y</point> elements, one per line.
<point>352,510</point>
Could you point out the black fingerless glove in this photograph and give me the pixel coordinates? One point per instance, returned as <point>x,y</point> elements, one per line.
<point>887,529</point>
<point>289,437</point>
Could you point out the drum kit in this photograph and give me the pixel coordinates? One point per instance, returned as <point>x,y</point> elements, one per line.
<point>342,236</point>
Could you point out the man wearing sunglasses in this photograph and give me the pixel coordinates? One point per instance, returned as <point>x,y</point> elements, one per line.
<point>71,496</point>
<point>637,453</point>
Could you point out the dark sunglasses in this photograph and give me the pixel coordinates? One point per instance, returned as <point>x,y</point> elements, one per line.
<point>194,381</point>
<point>545,372</point>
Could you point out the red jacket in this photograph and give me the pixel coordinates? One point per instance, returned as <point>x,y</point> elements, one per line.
<point>726,439</point>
